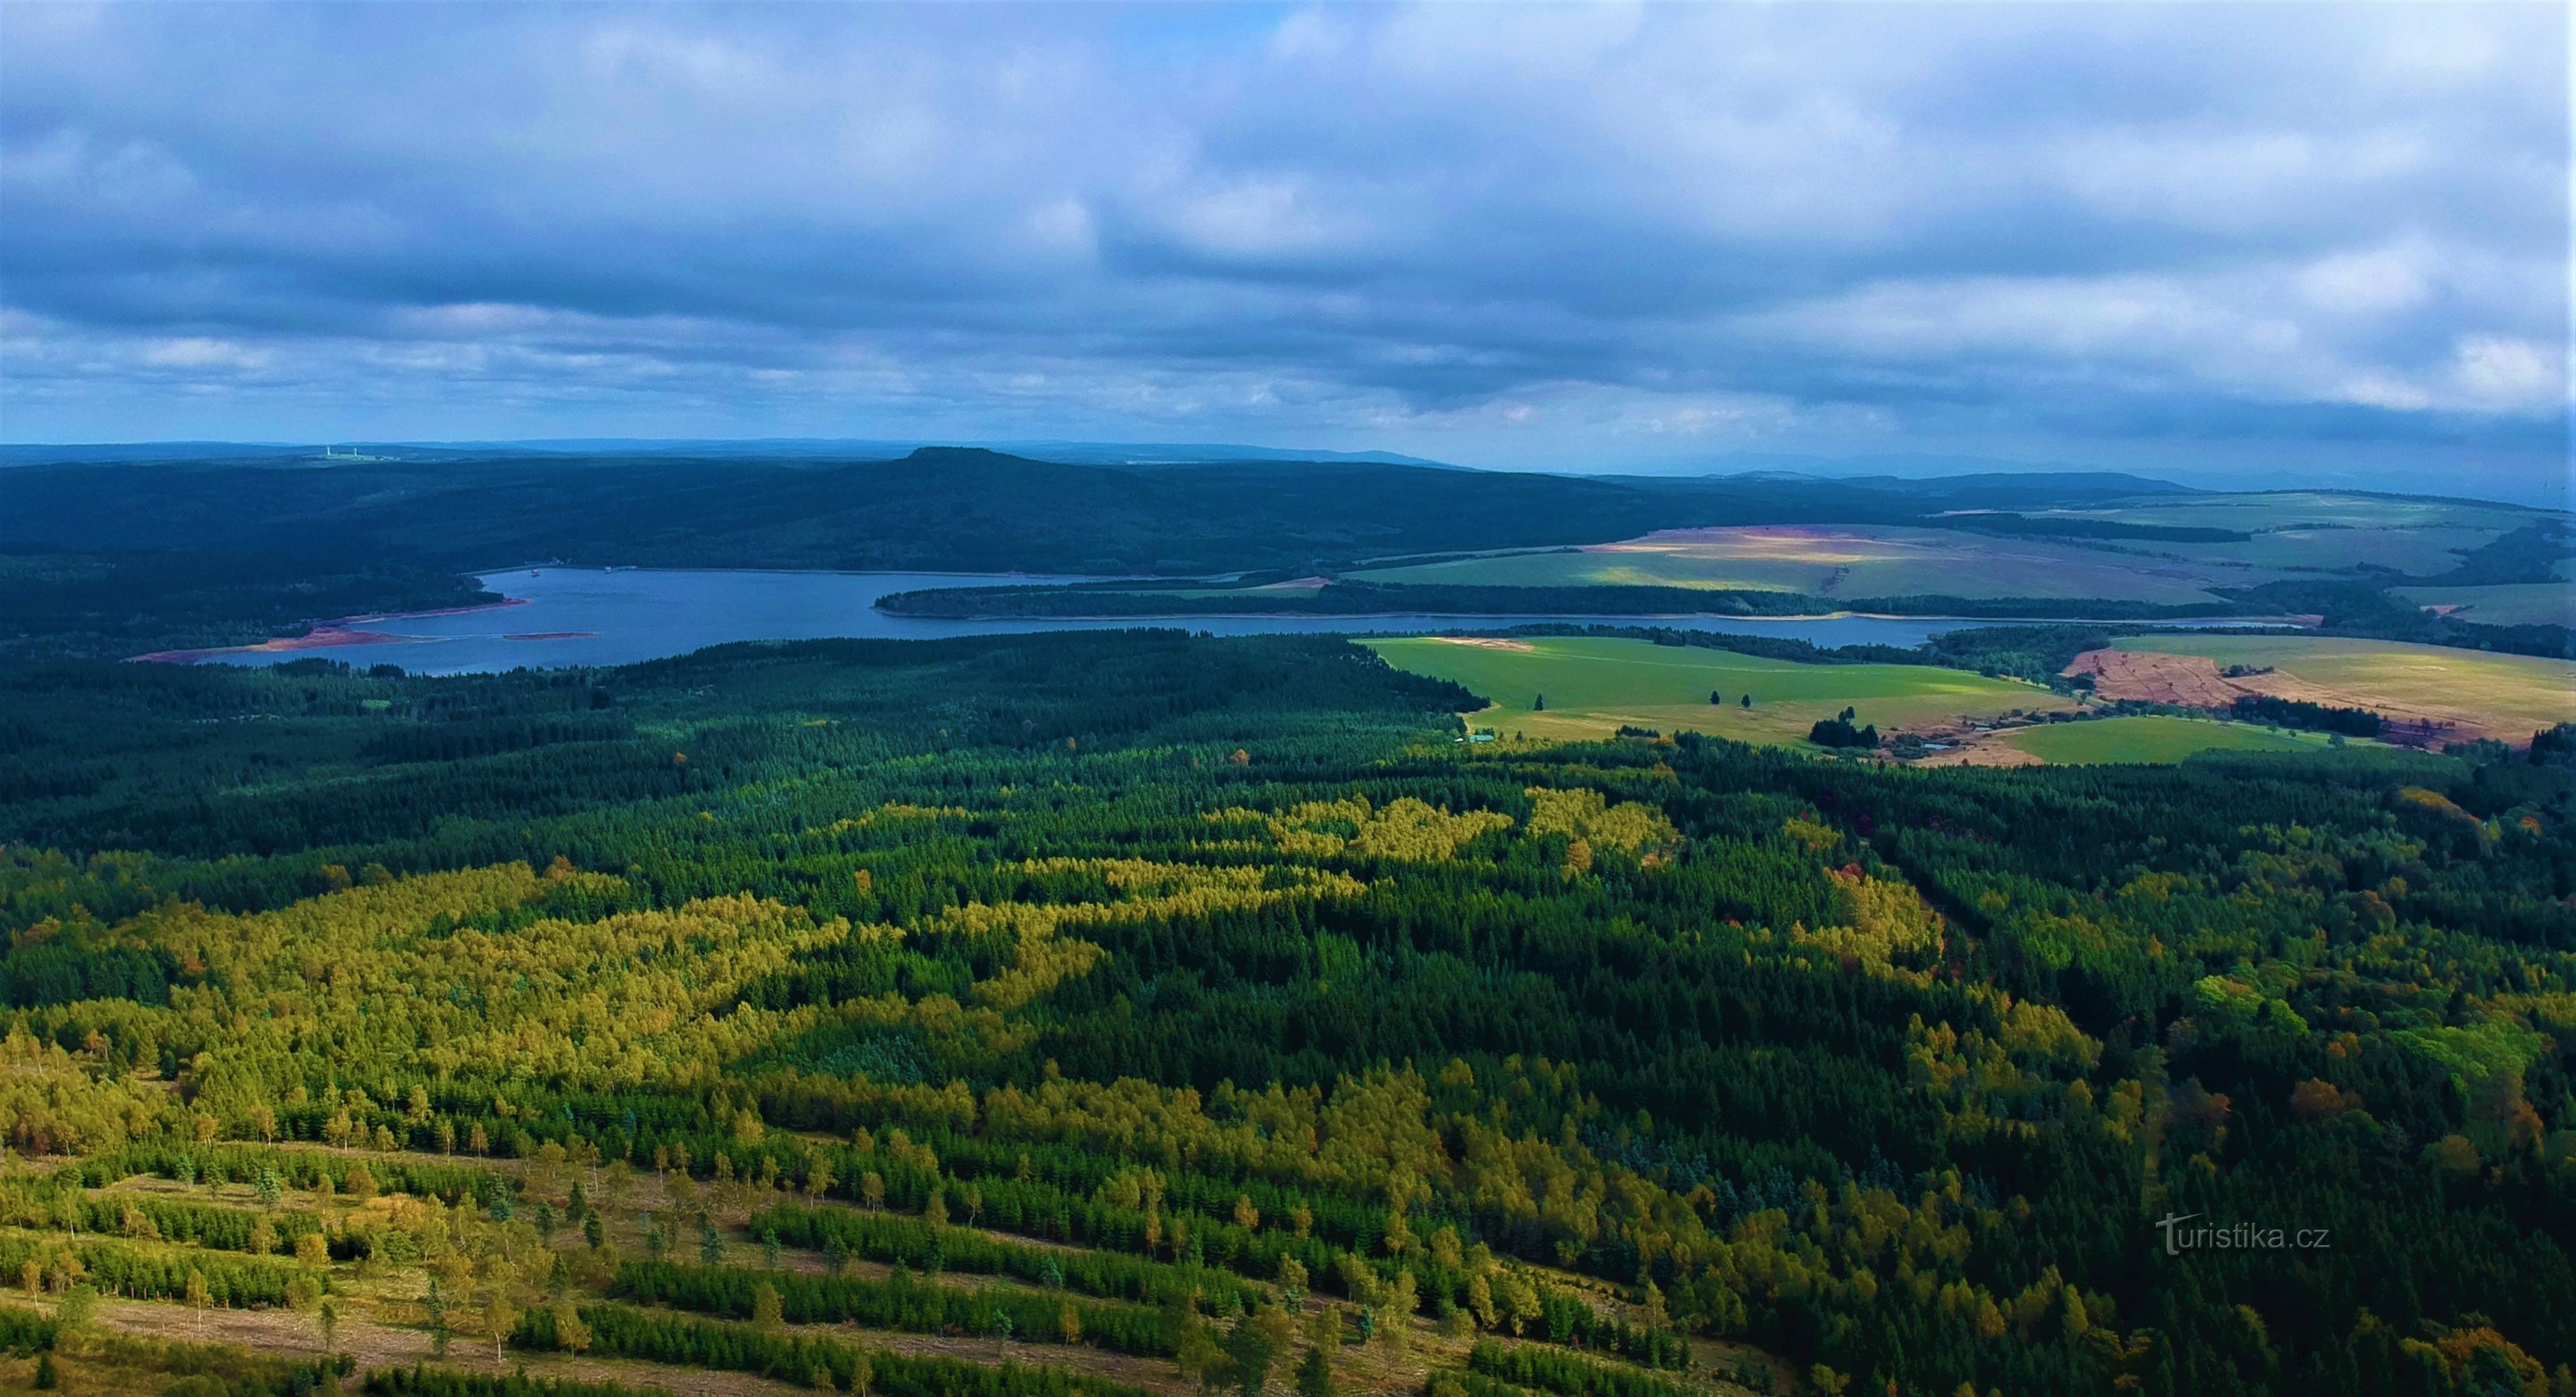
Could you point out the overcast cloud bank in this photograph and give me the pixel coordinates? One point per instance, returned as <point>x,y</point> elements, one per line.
<point>2332,239</point>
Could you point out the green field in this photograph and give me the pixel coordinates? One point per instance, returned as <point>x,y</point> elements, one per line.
<point>2316,531</point>
<point>2508,696</point>
<point>2421,552</point>
<point>2289,509</point>
<point>2153,739</point>
<point>1856,561</point>
<point>2293,534</point>
<point>1593,686</point>
<point>2508,604</point>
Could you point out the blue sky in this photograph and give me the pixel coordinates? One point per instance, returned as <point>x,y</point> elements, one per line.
<point>2233,239</point>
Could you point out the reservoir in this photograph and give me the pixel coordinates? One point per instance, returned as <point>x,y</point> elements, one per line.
<point>559,617</point>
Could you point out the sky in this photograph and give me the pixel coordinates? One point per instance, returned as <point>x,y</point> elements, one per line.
<point>2225,241</point>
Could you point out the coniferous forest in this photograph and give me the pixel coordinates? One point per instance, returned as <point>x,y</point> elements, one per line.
<point>1090,1014</point>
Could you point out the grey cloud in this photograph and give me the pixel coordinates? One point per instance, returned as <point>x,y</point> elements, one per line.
<point>1523,230</point>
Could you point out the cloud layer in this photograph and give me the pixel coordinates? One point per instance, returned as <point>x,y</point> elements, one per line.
<point>1580,237</point>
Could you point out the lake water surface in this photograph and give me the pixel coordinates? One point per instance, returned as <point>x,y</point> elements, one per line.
<point>576,616</point>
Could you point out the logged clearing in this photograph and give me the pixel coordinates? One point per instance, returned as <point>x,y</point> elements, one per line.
<point>2146,676</point>
<point>286,1334</point>
<point>382,1320</point>
<point>1977,749</point>
<point>1151,1374</point>
<point>2457,693</point>
<point>2154,738</point>
<point>1593,686</point>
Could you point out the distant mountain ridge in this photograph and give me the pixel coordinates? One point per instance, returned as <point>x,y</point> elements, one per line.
<point>776,448</point>
<point>948,508</point>
<point>944,507</point>
<point>2060,486</point>
<point>1881,473</point>
<point>1892,473</point>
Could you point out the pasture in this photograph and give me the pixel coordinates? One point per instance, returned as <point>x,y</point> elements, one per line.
<point>2506,604</point>
<point>2429,551</point>
<point>2489,695</point>
<point>1593,686</point>
<point>1855,561</point>
<point>2153,739</point>
<point>2318,532</point>
<point>2293,534</point>
<point>2260,511</point>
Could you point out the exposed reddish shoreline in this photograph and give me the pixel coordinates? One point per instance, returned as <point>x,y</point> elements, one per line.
<point>321,637</point>
<point>423,615</point>
<point>341,630</point>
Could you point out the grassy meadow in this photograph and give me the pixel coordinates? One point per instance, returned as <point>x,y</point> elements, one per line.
<point>2315,532</point>
<point>2505,604</point>
<point>2154,738</point>
<point>1593,686</point>
<point>2419,552</point>
<point>1850,561</point>
<point>2258,512</point>
<point>2293,534</point>
<point>2505,695</point>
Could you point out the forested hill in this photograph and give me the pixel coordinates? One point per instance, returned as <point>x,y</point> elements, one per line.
<point>1158,1007</point>
<point>938,508</point>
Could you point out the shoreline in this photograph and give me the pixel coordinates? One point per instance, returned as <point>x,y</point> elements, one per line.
<point>2196,622</point>
<point>345,631</point>
<point>321,637</point>
<point>482,574</point>
<point>1623,617</point>
<point>324,635</point>
<point>423,615</point>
